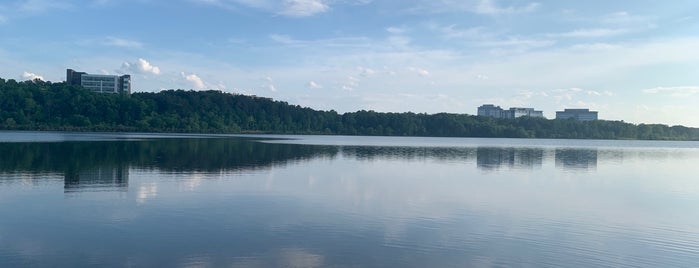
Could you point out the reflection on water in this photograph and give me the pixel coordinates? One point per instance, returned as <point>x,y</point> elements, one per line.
<point>494,158</point>
<point>100,178</point>
<point>104,165</point>
<point>234,202</point>
<point>584,159</point>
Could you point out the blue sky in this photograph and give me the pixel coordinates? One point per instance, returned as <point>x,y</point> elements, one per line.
<point>636,61</point>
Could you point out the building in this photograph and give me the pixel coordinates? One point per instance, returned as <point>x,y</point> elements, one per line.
<point>519,112</point>
<point>491,110</point>
<point>100,82</point>
<point>577,114</point>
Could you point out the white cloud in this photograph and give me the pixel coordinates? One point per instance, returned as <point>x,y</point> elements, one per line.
<point>399,42</point>
<point>490,7</point>
<point>483,7</point>
<point>41,5</point>
<point>623,18</point>
<point>615,24</point>
<point>289,8</point>
<point>194,80</point>
<point>396,30</point>
<point>453,32</point>
<point>595,47</point>
<point>350,84</point>
<point>314,85</point>
<point>269,84</point>
<point>367,72</point>
<point>329,43</point>
<point>482,77</point>
<point>681,91</point>
<point>120,42</point>
<point>31,76</point>
<point>303,8</point>
<point>592,33</point>
<point>517,42</point>
<point>284,39</point>
<point>565,94</point>
<point>141,67</point>
<point>419,71</point>
<point>599,94</point>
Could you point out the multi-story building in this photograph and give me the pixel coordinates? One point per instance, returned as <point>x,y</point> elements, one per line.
<point>491,110</point>
<point>577,114</point>
<point>519,112</point>
<point>100,82</point>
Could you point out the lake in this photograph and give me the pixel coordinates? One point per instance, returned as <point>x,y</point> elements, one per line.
<point>176,200</point>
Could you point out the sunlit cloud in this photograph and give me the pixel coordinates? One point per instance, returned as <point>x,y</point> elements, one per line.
<point>194,80</point>
<point>682,91</point>
<point>31,76</point>
<point>141,66</point>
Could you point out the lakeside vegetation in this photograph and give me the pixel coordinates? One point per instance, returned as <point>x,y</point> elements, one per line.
<point>41,105</point>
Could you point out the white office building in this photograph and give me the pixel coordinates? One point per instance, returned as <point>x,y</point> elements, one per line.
<point>99,82</point>
<point>519,112</point>
<point>491,110</point>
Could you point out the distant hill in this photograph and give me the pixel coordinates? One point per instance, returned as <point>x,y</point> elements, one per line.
<point>40,105</point>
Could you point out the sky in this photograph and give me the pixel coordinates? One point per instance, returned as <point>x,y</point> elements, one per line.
<point>636,61</point>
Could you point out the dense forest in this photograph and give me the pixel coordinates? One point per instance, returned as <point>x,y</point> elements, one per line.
<point>41,105</point>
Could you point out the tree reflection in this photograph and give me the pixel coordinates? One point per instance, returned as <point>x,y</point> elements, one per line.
<point>105,164</point>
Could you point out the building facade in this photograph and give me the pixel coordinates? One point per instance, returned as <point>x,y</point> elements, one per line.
<point>519,112</point>
<point>577,114</point>
<point>100,82</point>
<point>491,110</point>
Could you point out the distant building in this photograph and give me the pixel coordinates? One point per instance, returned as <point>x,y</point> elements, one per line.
<point>577,114</point>
<point>100,82</point>
<point>519,112</point>
<point>491,110</point>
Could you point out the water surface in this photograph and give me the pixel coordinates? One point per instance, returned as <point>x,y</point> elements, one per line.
<point>136,200</point>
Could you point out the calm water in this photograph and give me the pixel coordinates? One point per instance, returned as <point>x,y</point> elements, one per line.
<point>139,200</point>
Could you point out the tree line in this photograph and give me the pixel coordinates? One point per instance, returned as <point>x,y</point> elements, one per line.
<point>42,105</point>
